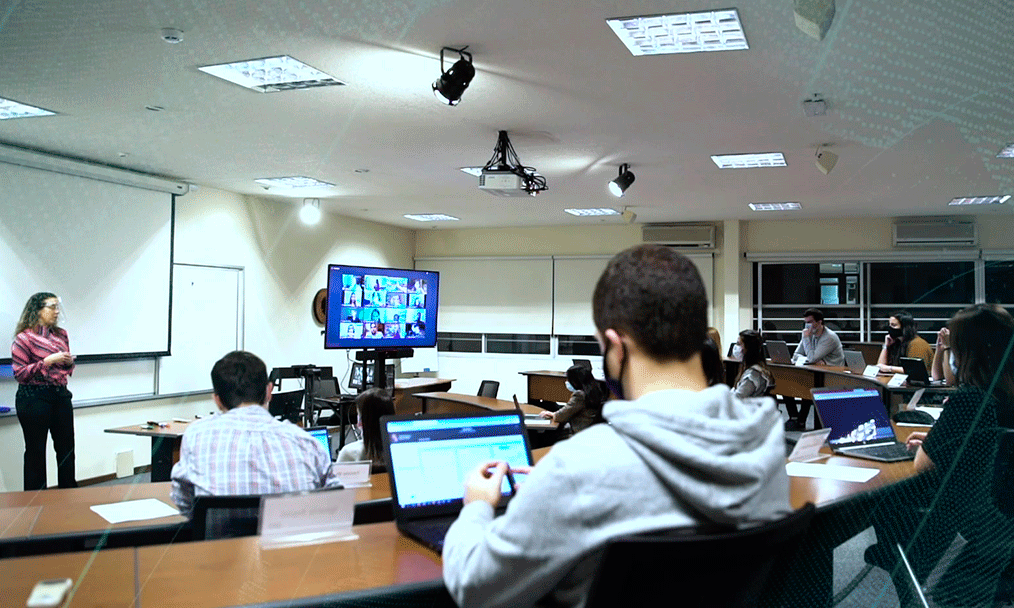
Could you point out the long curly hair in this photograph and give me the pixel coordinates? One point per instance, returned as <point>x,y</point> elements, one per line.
<point>30,315</point>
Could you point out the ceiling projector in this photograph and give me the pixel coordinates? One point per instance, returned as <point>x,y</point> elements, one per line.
<point>503,182</point>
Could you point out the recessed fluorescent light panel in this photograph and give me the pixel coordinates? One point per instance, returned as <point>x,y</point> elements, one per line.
<point>12,109</point>
<point>272,74</point>
<point>592,212</point>
<point>980,200</point>
<point>431,217</point>
<point>749,161</point>
<point>1007,152</point>
<point>474,171</point>
<point>681,32</point>
<point>293,182</point>
<point>775,206</point>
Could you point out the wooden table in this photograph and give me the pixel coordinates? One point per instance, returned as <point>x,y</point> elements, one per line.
<point>103,578</point>
<point>406,390</point>
<point>165,445</point>
<point>547,385</point>
<point>453,403</point>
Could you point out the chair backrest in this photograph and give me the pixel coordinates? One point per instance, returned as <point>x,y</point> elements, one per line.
<point>225,516</point>
<point>696,566</point>
<point>286,406</point>
<point>326,388</point>
<point>489,388</point>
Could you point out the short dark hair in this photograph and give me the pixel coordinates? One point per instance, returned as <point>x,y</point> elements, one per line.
<point>657,297</point>
<point>981,339</point>
<point>371,405</point>
<point>816,313</point>
<point>240,377</point>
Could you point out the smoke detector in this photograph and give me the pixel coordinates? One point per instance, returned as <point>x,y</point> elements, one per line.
<point>172,35</point>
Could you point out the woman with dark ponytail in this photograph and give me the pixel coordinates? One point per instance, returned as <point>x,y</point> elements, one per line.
<point>903,341</point>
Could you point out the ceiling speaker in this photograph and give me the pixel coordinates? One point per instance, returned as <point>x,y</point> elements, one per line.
<point>814,17</point>
<point>826,160</point>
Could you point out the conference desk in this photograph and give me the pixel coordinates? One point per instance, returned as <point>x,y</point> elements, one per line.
<point>165,445</point>
<point>453,403</point>
<point>406,391</point>
<point>547,385</point>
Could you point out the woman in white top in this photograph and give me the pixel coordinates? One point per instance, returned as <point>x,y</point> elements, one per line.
<point>754,379</point>
<point>370,406</point>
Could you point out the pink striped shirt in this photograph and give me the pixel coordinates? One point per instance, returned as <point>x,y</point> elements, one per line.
<point>31,346</point>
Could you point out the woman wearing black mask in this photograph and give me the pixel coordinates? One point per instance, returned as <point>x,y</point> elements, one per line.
<point>903,341</point>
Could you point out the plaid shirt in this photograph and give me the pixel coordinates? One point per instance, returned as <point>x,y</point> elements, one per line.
<point>32,346</point>
<point>246,451</point>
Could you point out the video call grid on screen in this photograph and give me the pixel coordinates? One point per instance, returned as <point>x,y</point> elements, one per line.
<point>855,415</point>
<point>381,307</point>
<point>430,458</point>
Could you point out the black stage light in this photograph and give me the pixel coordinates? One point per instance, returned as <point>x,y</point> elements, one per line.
<point>452,83</point>
<point>619,185</point>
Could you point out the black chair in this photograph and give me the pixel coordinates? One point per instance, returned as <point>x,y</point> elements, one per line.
<point>697,565</point>
<point>489,388</point>
<point>234,516</point>
<point>586,363</point>
<point>286,406</point>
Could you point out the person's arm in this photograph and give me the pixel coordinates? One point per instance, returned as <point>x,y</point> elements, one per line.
<point>575,405</point>
<point>800,349</point>
<point>922,460</point>
<point>942,358</point>
<point>28,363</point>
<point>182,491</point>
<point>882,360</point>
<point>746,387</point>
<point>825,346</point>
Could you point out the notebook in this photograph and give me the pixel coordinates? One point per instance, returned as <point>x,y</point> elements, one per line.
<point>859,424</point>
<point>854,361</point>
<point>915,368</point>
<point>429,456</point>
<point>320,434</point>
<point>778,352</point>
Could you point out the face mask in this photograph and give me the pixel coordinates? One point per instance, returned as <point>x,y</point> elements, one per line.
<point>894,332</point>
<point>954,365</point>
<point>615,384</point>
<point>737,352</point>
<point>570,387</point>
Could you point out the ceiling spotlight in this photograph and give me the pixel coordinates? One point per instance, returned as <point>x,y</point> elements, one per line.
<point>310,213</point>
<point>452,83</point>
<point>619,185</point>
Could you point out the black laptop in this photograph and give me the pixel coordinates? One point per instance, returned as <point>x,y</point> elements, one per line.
<point>915,368</point>
<point>859,424</point>
<point>778,351</point>
<point>429,456</point>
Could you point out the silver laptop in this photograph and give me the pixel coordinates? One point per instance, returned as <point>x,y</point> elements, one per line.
<point>778,352</point>
<point>429,456</point>
<point>855,362</point>
<point>859,424</point>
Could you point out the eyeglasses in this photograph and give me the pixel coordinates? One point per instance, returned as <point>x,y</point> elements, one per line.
<point>51,306</point>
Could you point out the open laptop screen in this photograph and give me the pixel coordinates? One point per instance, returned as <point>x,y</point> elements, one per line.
<point>320,434</point>
<point>854,415</point>
<point>430,457</point>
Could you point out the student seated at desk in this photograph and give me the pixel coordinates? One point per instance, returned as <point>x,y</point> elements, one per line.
<point>585,406</point>
<point>370,406</point>
<point>243,449</point>
<point>754,379</point>
<point>676,453</point>
<point>902,341</point>
<point>819,344</point>
<point>943,359</point>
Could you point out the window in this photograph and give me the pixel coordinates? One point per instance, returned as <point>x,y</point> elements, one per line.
<point>1000,282</point>
<point>518,344</point>
<point>459,342</point>
<point>578,345</point>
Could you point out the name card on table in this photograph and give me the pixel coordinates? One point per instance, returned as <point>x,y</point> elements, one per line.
<point>353,474</point>
<point>871,371</point>
<point>807,449</point>
<point>897,380</point>
<point>305,518</point>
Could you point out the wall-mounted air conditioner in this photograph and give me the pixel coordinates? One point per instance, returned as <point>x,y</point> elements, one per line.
<point>935,233</point>
<point>691,236</point>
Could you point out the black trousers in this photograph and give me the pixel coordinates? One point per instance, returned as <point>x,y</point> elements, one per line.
<point>46,409</point>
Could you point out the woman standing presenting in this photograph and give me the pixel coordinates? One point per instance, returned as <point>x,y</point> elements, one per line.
<point>42,364</point>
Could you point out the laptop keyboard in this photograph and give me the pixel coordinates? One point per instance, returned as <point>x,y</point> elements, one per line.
<point>887,451</point>
<point>432,533</point>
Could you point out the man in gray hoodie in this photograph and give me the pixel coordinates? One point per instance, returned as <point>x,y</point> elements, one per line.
<point>674,452</point>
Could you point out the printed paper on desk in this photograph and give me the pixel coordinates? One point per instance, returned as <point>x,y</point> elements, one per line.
<point>134,510</point>
<point>897,380</point>
<point>871,371</point>
<point>799,360</point>
<point>303,518</point>
<point>353,474</point>
<point>807,449</point>
<point>830,471</point>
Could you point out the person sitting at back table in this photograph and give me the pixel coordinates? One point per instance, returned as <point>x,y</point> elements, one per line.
<point>678,453</point>
<point>903,341</point>
<point>243,449</point>
<point>819,345</point>
<point>983,365</point>
<point>585,406</point>
<point>754,379</point>
<point>370,406</point>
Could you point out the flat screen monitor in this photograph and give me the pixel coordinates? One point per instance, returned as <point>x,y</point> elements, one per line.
<point>381,307</point>
<point>357,381</point>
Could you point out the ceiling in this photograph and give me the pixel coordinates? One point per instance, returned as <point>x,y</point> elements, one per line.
<point>921,99</point>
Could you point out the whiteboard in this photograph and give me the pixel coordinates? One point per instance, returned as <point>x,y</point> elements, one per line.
<point>207,323</point>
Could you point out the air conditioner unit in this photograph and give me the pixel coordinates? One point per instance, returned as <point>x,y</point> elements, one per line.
<point>945,233</point>
<point>692,236</point>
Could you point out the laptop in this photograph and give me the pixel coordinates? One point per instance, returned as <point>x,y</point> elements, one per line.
<point>915,368</point>
<point>778,352</point>
<point>859,424</point>
<point>531,419</point>
<point>855,362</point>
<point>320,434</point>
<point>429,456</point>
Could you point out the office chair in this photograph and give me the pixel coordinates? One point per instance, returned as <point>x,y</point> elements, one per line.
<point>286,406</point>
<point>489,388</point>
<point>699,566</point>
<point>582,362</point>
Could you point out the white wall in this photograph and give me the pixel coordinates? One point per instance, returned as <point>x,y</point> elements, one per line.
<point>285,264</point>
